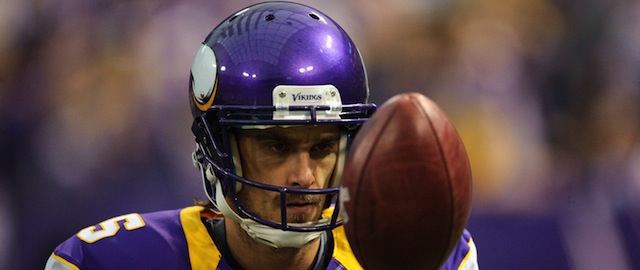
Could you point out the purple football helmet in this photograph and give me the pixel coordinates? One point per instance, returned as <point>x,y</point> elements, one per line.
<point>275,63</point>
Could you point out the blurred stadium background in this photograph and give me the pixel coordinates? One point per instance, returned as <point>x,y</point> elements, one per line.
<point>94,120</point>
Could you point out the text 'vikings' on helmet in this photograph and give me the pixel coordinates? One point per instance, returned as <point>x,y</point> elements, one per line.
<point>274,63</point>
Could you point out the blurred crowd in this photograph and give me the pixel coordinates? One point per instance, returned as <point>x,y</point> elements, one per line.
<point>94,120</point>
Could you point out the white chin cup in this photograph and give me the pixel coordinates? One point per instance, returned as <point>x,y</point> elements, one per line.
<point>262,233</point>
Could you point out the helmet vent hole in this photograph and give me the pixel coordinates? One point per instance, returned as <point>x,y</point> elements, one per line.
<point>232,18</point>
<point>314,16</point>
<point>269,17</point>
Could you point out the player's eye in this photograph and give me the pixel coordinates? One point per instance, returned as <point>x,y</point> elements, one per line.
<point>277,147</point>
<point>323,149</point>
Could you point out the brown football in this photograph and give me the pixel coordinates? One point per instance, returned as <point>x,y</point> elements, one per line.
<point>408,184</point>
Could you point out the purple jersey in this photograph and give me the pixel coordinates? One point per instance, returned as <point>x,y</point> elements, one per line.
<point>179,239</point>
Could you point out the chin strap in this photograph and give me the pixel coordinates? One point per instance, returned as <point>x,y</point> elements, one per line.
<point>262,233</point>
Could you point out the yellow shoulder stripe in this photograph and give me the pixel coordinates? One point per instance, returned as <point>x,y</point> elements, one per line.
<point>203,253</point>
<point>342,250</point>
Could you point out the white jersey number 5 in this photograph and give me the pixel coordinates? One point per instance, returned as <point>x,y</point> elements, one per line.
<point>110,227</point>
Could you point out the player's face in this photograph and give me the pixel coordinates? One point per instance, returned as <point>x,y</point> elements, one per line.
<point>297,156</point>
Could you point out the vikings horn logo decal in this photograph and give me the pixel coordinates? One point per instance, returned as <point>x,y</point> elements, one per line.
<point>204,77</point>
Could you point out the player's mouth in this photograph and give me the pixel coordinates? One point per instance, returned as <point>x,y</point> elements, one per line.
<point>303,205</point>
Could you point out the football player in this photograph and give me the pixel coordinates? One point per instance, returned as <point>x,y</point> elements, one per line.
<point>278,91</point>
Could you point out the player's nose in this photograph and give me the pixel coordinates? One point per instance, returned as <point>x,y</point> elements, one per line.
<point>300,173</point>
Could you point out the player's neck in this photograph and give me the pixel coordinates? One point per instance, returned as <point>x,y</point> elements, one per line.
<point>253,255</point>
